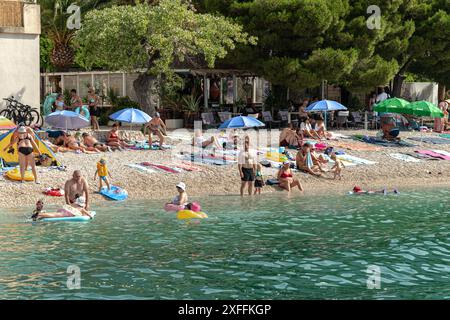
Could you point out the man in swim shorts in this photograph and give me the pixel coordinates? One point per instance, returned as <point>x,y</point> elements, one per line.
<point>76,186</point>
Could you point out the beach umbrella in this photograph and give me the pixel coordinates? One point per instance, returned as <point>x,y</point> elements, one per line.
<point>423,109</point>
<point>241,122</point>
<point>6,124</point>
<point>392,105</point>
<point>67,120</point>
<point>131,115</point>
<point>324,106</point>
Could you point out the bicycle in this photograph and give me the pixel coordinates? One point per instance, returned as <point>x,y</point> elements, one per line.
<point>21,113</point>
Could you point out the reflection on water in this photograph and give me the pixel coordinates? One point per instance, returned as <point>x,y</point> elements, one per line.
<point>261,248</point>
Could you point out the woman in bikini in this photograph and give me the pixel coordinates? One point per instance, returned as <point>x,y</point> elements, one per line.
<point>113,140</point>
<point>286,178</point>
<point>154,125</point>
<point>25,146</point>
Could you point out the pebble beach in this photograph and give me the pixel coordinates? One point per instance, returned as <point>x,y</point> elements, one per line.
<point>224,180</point>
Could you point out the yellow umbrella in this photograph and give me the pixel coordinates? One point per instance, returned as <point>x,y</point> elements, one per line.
<point>6,124</point>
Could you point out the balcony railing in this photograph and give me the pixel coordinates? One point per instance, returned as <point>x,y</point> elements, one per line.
<point>11,13</point>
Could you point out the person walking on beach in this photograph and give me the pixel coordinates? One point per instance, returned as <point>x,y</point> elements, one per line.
<point>247,168</point>
<point>103,173</point>
<point>154,128</point>
<point>25,147</point>
<point>75,188</point>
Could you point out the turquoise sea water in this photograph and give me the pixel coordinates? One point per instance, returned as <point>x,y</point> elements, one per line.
<point>271,248</point>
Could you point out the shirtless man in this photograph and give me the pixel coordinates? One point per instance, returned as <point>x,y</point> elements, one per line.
<point>93,145</point>
<point>76,186</point>
<point>72,143</point>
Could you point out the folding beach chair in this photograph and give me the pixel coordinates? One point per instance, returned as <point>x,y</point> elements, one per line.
<point>267,117</point>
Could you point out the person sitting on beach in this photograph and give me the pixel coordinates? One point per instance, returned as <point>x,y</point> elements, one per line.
<point>72,143</point>
<point>337,167</point>
<point>286,178</point>
<point>181,199</point>
<point>233,145</point>
<point>154,127</point>
<point>113,140</point>
<point>201,141</point>
<point>92,143</point>
<point>307,129</point>
<point>318,159</point>
<point>291,137</point>
<point>305,162</point>
<point>103,173</point>
<point>59,104</point>
<point>76,186</point>
<point>319,128</point>
<point>247,168</point>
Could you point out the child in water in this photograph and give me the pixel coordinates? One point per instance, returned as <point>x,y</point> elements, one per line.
<point>338,165</point>
<point>103,173</point>
<point>358,190</point>
<point>259,180</point>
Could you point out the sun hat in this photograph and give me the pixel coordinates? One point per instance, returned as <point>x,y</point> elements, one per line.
<point>22,129</point>
<point>182,186</point>
<point>286,162</point>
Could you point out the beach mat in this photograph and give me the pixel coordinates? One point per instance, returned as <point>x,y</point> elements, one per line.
<point>353,159</point>
<point>432,140</point>
<point>140,167</point>
<point>433,154</point>
<point>384,143</point>
<point>404,157</point>
<point>445,135</point>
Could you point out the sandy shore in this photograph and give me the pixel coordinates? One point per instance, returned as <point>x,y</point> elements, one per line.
<point>224,180</point>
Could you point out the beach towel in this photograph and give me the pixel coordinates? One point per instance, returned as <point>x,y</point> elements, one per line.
<point>309,161</point>
<point>403,157</point>
<point>185,166</point>
<point>140,168</point>
<point>384,143</point>
<point>161,167</point>
<point>433,154</point>
<point>197,159</point>
<point>433,140</point>
<point>445,135</point>
<point>443,152</point>
<point>353,159</point>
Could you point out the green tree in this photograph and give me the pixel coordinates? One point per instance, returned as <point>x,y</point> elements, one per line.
<point>149,38</point>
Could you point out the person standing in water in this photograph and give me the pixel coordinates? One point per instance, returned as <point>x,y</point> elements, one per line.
<point>247,168</point>
<point>75,188</point>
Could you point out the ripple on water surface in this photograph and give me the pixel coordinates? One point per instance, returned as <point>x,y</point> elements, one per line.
<point>269,247</point>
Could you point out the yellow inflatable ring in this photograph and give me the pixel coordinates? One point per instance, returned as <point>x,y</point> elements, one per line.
<point>14,174</point>
<point>189,214</point>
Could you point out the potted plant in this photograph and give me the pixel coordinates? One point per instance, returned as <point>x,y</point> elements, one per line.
<point>191,107</point>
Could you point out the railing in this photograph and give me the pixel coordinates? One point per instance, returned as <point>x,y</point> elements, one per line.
<point>11,13</point>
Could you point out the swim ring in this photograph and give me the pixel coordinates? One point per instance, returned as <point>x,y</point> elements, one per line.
<point>189,214</point>
<point>85,110</point>
<point>54,192</point>
<point>14,174</point>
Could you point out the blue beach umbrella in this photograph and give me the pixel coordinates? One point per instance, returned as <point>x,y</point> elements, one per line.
<point>325,105</point>
<point>241,122</point>
<point>67,120</point>
<point>131,115</point>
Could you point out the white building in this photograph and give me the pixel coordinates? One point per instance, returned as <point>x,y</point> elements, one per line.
<point>20,28</point>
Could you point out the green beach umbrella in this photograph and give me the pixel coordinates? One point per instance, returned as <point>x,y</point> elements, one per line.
<point>423,109</point>
<point>392,105</point>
